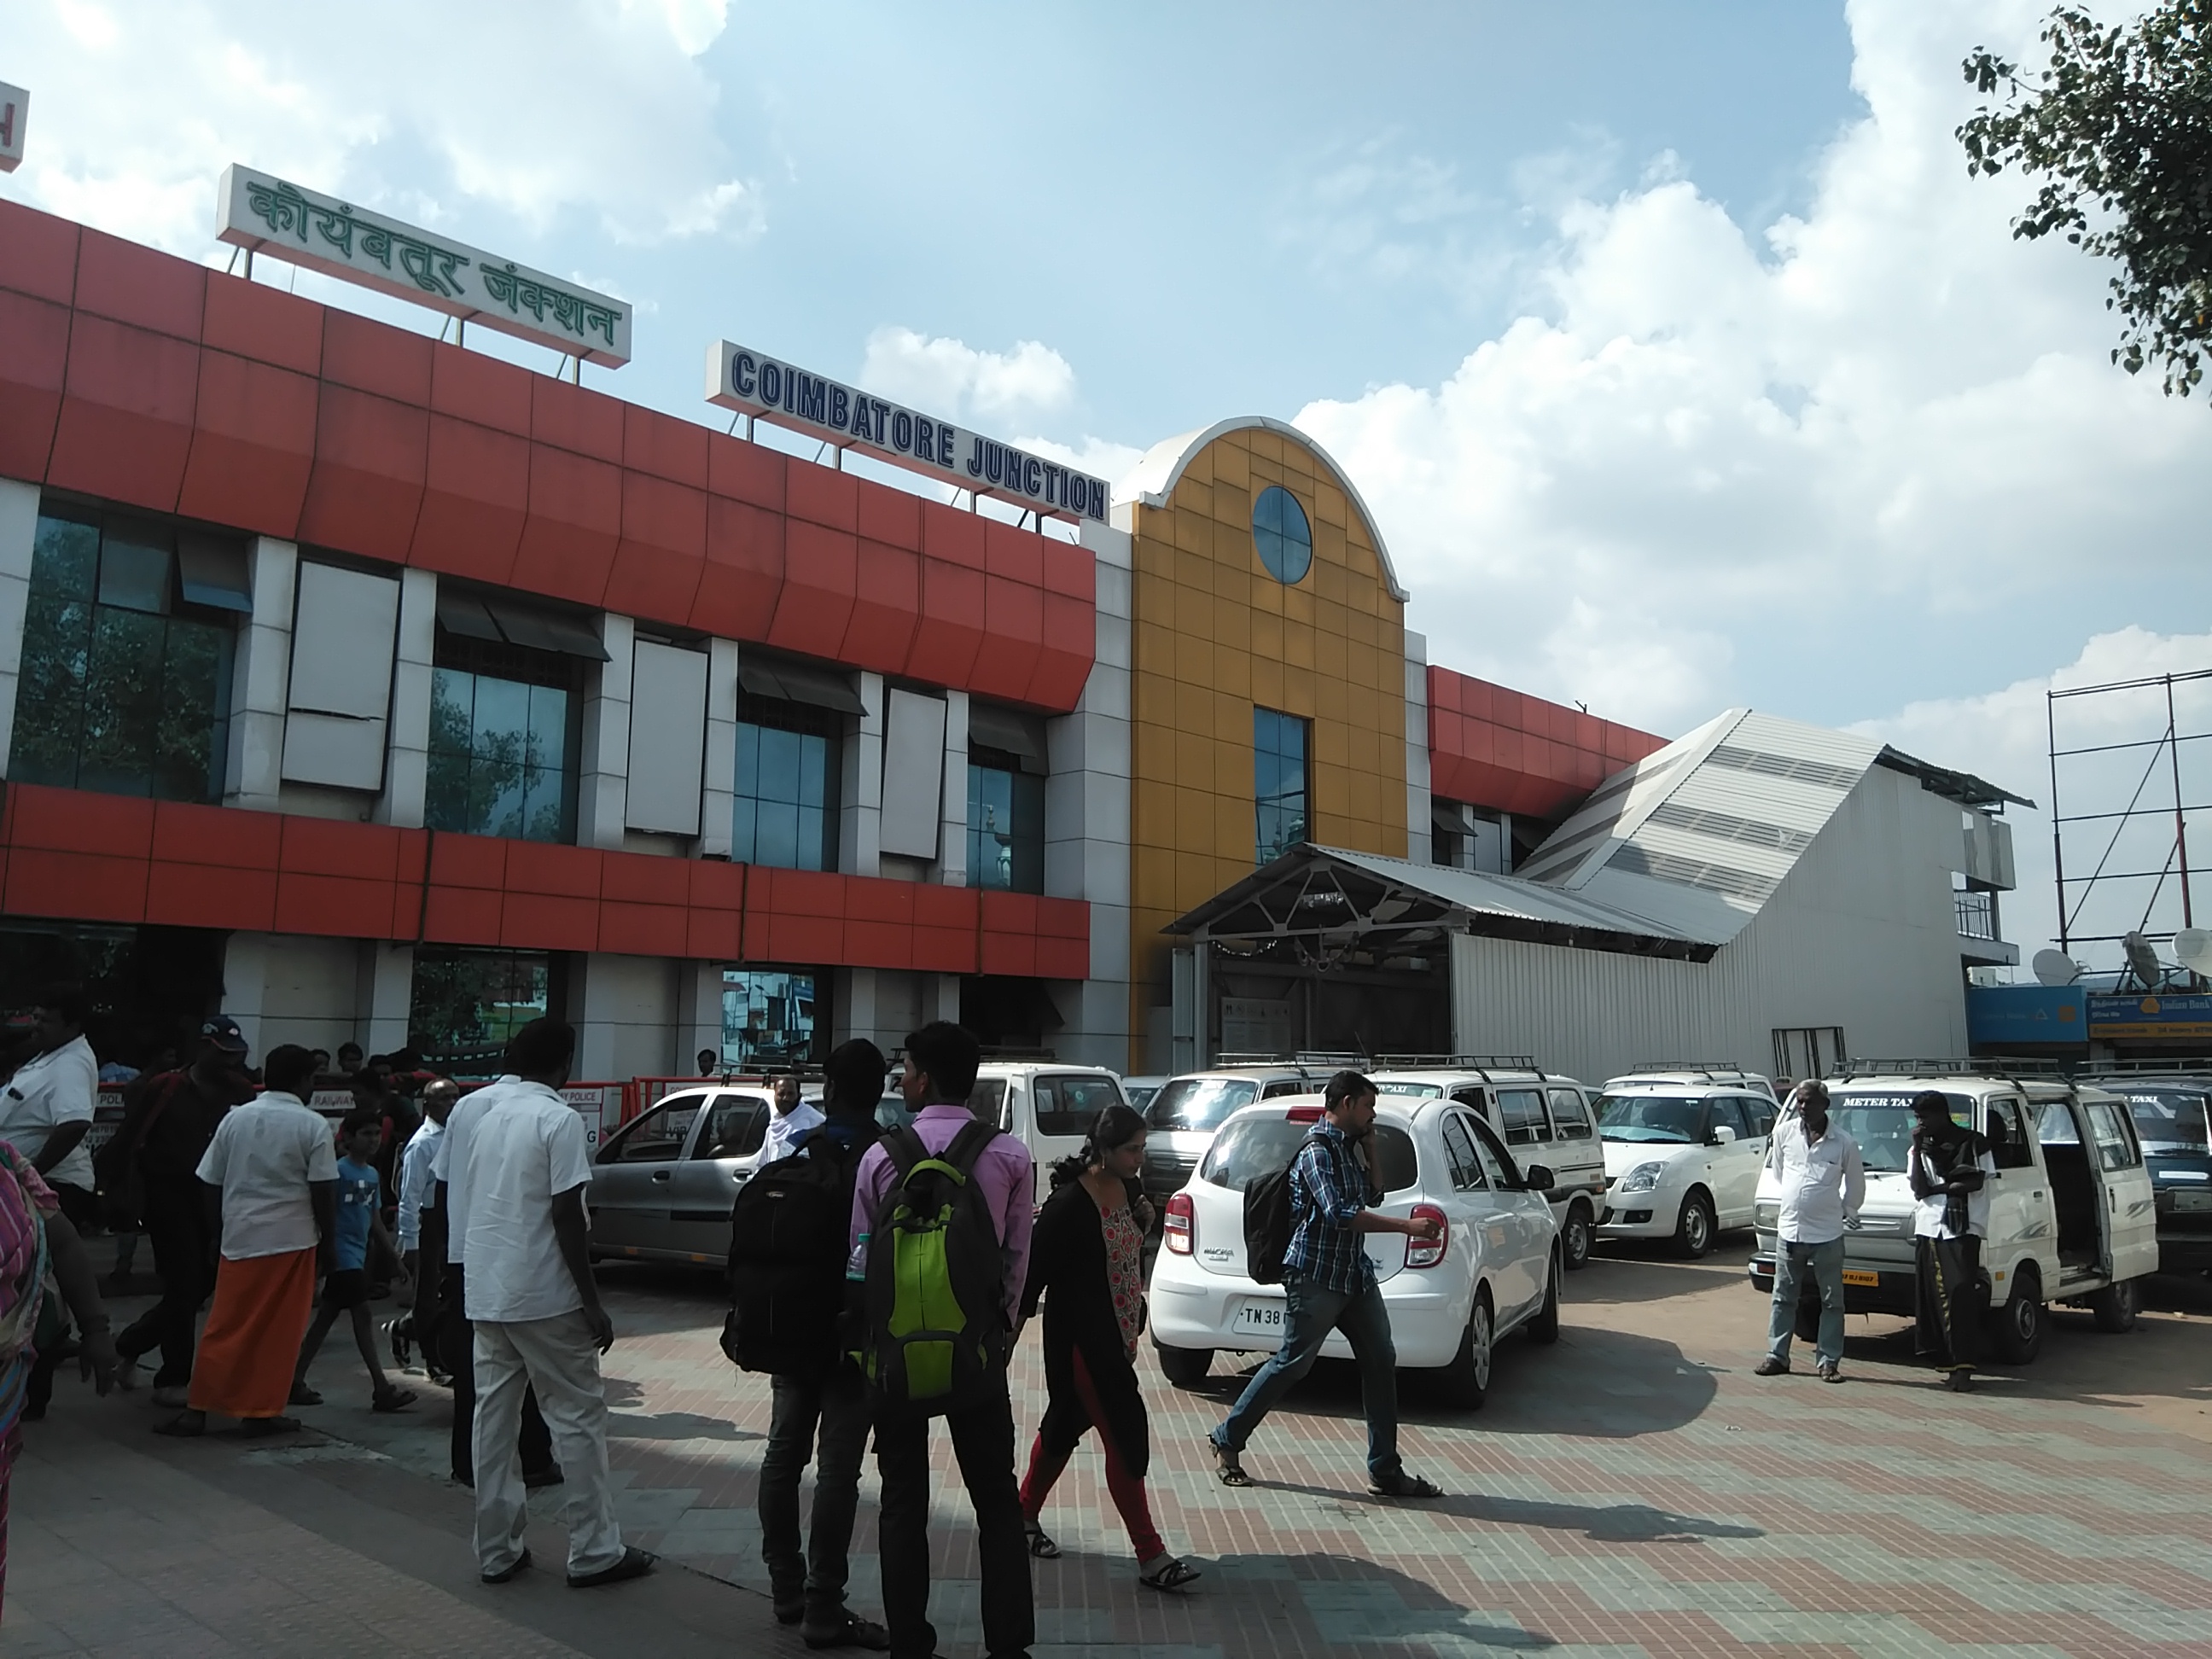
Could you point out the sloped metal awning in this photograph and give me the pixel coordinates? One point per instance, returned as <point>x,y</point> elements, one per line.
<point>1314,892</point>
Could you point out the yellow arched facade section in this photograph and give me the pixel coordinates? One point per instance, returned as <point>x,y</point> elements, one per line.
<point>1215,637</point>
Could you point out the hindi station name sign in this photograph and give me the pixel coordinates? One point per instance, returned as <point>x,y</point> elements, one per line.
<point>783,395</point>
<point>268,216</point>
<point>15,115</point>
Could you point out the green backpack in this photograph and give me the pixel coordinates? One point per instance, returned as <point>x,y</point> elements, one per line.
<point>935,1296</point>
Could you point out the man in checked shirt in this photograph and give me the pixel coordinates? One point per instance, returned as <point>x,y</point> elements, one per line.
<point>1330,1284</point>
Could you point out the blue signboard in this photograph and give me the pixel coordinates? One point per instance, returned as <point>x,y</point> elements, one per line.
<point>2007,1016</point>
<point>2151,1015</point>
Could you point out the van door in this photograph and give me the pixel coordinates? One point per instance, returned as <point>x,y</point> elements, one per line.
<point>1736,1165</point>
<point>2022,1223</point>
<point>2077,1195</point>
<point>2131,1206</point>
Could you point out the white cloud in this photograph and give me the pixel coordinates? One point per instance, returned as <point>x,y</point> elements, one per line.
<point>942,374</point>
<point>1844,427</point>
<point>1101,458</point>
<point>537,110</point>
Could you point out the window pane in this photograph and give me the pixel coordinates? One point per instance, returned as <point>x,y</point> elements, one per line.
<point>453,697</point>
<point>122,703</point>
<point>776,834</point>
<point>502,722</point>
<point>742,848</point>
<point>64,558</point>
<point>134,568</point>
<point>549,728</point>
<point>194,704</point>
<point>813,846</point>
<point>767,1017</point>
<point>779,766</point>
<point>50,698</point>
<point>748,767</point>
<point>786,811</point>
<point>814,760</point>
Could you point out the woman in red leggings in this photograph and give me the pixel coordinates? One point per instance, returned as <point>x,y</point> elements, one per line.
<point>1088,1253</point>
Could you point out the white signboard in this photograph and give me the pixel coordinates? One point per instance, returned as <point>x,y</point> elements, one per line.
<point>757,384</point>
<point>271,216</point>
<point>14,111</point>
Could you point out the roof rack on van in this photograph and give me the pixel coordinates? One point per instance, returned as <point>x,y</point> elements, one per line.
<point>991,1051</point>
<point>1709,1067</point>
<point>2165,1065</point>
<point>1459,1062</point>
<point>2009,1068</point>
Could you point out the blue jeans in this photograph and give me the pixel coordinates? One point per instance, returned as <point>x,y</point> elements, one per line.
<point>1311,1314</point>
<point>1791,1262</point>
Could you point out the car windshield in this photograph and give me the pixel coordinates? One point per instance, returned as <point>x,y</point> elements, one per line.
<point>1140,1094</point>
<point>1264,1143</point>
<point>1198,1102</point>
<point>2169,1120</point>
<point>1882,1126</point>
<point>1677,1119</point>
<point>1415,1091</point>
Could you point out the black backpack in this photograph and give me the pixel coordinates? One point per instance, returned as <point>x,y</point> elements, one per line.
<point>787,1246</point>
<point>1268,1223</point>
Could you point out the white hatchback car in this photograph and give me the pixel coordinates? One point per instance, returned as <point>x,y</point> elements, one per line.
<point>1495,1267</point>
<point>1682,1154</point>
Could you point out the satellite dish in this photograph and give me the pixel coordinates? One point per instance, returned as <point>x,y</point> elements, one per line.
<point>2142,961</point>
<point>2192,948</point>
<point>2056,968</point>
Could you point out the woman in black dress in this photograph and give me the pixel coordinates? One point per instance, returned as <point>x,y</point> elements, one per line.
<point>1088,1252</point>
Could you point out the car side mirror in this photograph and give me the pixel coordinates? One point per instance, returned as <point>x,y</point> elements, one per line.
<point>1722,1136</point>
<point>1537,1178</point>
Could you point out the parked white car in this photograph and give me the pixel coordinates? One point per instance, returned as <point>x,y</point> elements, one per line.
<point>1047,1106</point>
<point>1495,1268</point>
<point>1182,1118</point>
<point>1683,1151</point>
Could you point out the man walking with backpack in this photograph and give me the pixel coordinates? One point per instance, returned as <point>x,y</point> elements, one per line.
<point>940,1240</point>
<point>1330,1284</point>
<point>788,1243</point>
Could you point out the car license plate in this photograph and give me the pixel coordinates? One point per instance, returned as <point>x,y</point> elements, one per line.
<point>1861,1276</point>
<point>1259,1319</point>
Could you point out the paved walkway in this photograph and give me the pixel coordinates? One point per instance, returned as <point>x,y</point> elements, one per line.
<point>1632,1491</point>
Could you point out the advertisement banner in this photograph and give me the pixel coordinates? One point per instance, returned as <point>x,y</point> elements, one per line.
<point>2187,1016</point>
<point>2008,1015</point>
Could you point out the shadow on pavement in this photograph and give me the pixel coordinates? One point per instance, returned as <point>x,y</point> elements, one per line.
<point>1632,1270</point>
<point>674,1426</point>
<point>1610,1524</point>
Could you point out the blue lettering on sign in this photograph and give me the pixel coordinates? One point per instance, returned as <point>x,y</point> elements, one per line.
<point>881,409</point>
<point>976,459</point>
<point>1031,480</point>
<point>901,431</point>
<point>1053,475</point>
<point>925,440</point>
<point>948,446</point>
<point>771,383</point>
<point>741,375</point>
<point>812,397</point>
<point>840,405</point>
<point>790,390</point>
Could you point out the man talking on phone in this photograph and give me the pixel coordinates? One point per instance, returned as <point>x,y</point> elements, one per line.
<point>1330,1284</point>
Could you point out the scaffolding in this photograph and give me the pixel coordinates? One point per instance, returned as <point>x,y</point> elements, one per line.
<point>2165,720</point>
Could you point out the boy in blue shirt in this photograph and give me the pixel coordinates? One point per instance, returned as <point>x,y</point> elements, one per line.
<point>360,1226</point>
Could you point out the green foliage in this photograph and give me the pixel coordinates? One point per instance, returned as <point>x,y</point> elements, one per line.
<point>2120,130</point>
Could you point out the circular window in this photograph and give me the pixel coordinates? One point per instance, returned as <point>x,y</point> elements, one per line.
<point>1281,533</point>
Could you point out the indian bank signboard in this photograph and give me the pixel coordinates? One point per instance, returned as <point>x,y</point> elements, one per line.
<point>2186,1016</point>
<point>755,383</point>
<point>268,216</point>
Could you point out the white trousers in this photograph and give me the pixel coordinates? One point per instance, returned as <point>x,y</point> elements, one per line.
<point>558,1357</point>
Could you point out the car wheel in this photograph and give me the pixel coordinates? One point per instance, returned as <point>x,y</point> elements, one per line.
<point>2016,1332</point>
<point>2116,1305</point>
<point>1187,1368</point>
<point>1694,1232</point>
<point>1575,1235</point>
<point>1545,1327</point>
<point>1467,1379</point>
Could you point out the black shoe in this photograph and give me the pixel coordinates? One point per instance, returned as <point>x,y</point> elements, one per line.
<point>634,1563</point>
<point>536,1479</point>
<point>790,1605</point>
<point>509,1570</point>
<point>845,1630</point>
<point>1770,1367</point>
<point>1404,1486</point>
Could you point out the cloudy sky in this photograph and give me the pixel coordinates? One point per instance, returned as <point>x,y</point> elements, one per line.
<point>1678,359</point>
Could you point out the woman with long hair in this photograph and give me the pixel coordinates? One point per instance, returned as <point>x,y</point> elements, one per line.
<point>1086,1262</point>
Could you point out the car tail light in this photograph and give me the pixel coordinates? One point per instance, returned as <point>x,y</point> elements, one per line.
<point>1428,1252</point>
<point>1179,1233</point>
<point>1303,1114</point>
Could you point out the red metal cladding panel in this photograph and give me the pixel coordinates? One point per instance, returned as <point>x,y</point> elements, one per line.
<point>483,390</point>
<point>953,908</point>
<point>332,907</point>
<point>332,847</point>
<point>1064,664</point>
<point>461,915</point>
<point>1009,913</point>
<point>950,632</point>
<point>568,418</point>
<point>811,893</point>
<point>77,821</point>
<point>38,253</point>
<point>742,579</point>
<point>540,921</point>
<point>1013,628</point>
<point>33,366</point>
<point>545,867</point>
<point>81,886</point>
<point>877,945</point>
<point>217,836</point>
<point>879,900</point>
<point>371,356</point>
<point>1063,958</point>
<point>479,861</point>
<point>131,283</point>
<point>664,446</point>
<point>127,416</point>
<point>711,935</point>
<point>825,497</point>
<point>1014,954</point>
<point>663,551</point>
<point>716,885</point>
<point>366,491</point>
<point>1069,569</point>
<point>251,320</point>
<point>253,445</point>
<point>954,536</point>
<point>201,895</point>
<point>747,471</point>
<point>642,878</point>
<point>644,930</point>
<point>1017,554</point>
<point>891,517</point>
<point>816,606</point>
<point>944,950</point>
<point>476,495</point>
<point>574,522</point>
<point>886,607</point>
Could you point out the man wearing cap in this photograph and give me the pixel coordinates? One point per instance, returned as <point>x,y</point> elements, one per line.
<point>168,1119</point>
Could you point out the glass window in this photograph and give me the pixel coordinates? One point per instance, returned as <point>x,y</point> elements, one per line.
<point>1288,1085</point>
<point>988,1101</point>
<point>1570,1114</point>
<point>125,684</point>
<point>736,1126</point>
<point>785,810</point>
<point>2055,1127</point>
<point>1728,1113</point>
<point>2008,1134</point>
<point>1198,1102</point>
<point>506,730</point>
<point>1497,1162</point>
<point>1278,782</point>
<point>769,1017</point>
<point>2170,1121</point>
<point>1459,1152</point>
<point>1882,1124</point>
<point>1070,1105</point>
<point>658,1135</point>
<point>1281,534</point>
<point>1005,824</point>
<point>1674,1120</point>
<point>1406,1090</point>
<point>1522,1113</point>
<point>466,1003</point>
<point>1258,1145</point>
<point>2116,1147</point>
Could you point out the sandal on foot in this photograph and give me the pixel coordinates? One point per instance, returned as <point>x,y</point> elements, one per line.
<point>634,1563</point>
<point>303,1395</point>
<point>1404,1485</point>
<point>1228,1467</point>
<point>1170,1573</point>
<point>1041,1544</point>
<point>257,1428</point>
<point>392,1399</point>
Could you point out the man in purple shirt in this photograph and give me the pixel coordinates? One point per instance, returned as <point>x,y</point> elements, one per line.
<point>940,1074</point>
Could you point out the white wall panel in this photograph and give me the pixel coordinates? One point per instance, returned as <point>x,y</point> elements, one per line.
<point>329,748</point>
<point>667,738</point>
<point>914,774</point>
<point>344,628</point>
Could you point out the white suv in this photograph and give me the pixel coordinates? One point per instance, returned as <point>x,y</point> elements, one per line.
<point>1186,1110</point>
<point>1047,1106</point>
<point>1683,1150</point>
<point>1494,1268</point>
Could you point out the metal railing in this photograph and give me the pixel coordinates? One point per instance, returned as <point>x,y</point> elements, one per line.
<point>1976,915</point>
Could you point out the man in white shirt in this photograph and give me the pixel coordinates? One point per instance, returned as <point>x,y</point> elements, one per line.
<point>417,1186</point>
<point>275,1171</point>
<point>46,1110</point>
<point>511,1168</point>
<point>794,1120</point>
<point>1823,1181</point>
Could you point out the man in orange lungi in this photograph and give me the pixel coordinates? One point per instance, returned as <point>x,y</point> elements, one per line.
<point>275,1173</point>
